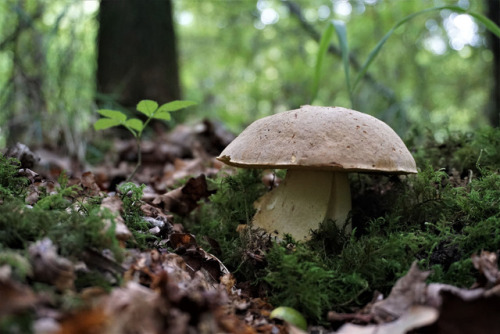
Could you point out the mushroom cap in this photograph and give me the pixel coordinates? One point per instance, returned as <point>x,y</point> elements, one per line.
<point>322,138</point>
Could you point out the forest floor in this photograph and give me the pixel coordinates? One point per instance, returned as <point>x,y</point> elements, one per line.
<point>83,251</point>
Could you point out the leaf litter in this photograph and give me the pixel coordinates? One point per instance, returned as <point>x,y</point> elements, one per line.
<point>178,287</point>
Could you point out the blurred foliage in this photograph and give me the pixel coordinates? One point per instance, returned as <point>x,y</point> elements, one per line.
<point>47,67</point>
<point>248,60</point>
<point>251,69</point>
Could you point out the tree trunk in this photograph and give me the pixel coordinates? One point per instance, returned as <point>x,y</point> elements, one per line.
<point>493,13</point>
<point>137,55</point>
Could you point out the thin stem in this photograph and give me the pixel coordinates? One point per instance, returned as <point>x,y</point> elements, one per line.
<point>139,158</point>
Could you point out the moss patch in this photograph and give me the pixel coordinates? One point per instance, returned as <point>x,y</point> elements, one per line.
<point>439,217</point>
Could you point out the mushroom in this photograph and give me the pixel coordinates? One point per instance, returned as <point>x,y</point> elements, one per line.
<point>318,146</point>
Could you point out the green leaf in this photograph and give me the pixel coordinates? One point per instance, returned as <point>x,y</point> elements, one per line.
<point>323,48</point>
<point>490,25</point>
<point>340,29</point>
<point>105,123</point>
<point>289,315</point>
<point>165,115</point>
<point>175,105</point>
<point>135,124</point>
<point>113,114</point>
<point>147,107</point>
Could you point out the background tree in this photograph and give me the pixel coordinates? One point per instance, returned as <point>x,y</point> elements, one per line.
<point>137,54</point>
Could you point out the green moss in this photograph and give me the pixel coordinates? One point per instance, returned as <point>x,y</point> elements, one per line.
<point>230,206</point>
<point>70,230</point>
<point>299,280</point>
<point>12,185</point>
<point>17,323</point>
<point>131,195</point>
<point>439,217</point>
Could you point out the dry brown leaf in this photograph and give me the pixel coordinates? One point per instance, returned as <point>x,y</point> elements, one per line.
<point>487,265</point>
<point>93,321</point>
<point>15,297</point>
<point>23,153</point>
<point>184,199</point>
<point>414,317</point>
<point>134,309</point>
<point>89,185</point>
<point>49,267</point>
<point>409,290</point>
<point>114,204</point>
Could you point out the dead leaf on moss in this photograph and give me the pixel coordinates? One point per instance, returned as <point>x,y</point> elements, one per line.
<point>134,309</point>
<point>487,265</point>
<point>23,153</point>
<point>184,199</point>
<point>49,267</point>
<point>89,184</point>
<point>409,290</point>
<point>15,297</point>
<point>114,204</point>
<point>414,317</point>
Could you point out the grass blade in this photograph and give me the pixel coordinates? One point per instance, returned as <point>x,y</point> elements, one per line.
<point>323,48</point>
<point>490,25</point>
<point>341,31</point>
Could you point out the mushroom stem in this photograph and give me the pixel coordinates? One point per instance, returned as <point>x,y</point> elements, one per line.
<point>302,201</point>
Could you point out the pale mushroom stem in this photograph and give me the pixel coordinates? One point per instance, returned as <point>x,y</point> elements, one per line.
<point>302,201</point>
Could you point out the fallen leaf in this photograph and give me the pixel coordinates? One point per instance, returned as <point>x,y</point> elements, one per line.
<point>184,199</point>
<point>487,265</point>
<point>15,297</point>
<point>49,267</point>
<point>414,317</point>
<point>114,204</point>
<point>409,290</point>
<point>91,321</point>
<point>23,153</point>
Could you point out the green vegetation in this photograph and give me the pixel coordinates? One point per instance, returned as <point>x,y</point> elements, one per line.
<point>131,195</point>
<point>413,71</point>
<point>11,184</point>
<point>135,126</point>
<point>72,226</point>
<point>71,230</point>
<point>439,217</point>
<point>340,28</point>
<point>229,207</point>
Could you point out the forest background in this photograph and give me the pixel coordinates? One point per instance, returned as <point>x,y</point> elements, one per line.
<point>240,60</point>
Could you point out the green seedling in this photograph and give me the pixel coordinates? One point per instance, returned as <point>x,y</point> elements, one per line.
<point>136,126</point>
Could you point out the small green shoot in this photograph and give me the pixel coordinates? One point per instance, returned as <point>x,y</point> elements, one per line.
<point>136,126</point>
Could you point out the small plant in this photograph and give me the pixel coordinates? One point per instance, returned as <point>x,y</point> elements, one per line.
<point>149,108</point>
<point>131,196</point>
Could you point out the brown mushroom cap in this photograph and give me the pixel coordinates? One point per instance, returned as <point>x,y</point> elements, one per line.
<point>323,138</point>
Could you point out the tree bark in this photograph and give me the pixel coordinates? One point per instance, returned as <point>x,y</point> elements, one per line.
<point>493,13</point>
<point>137,54</point>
